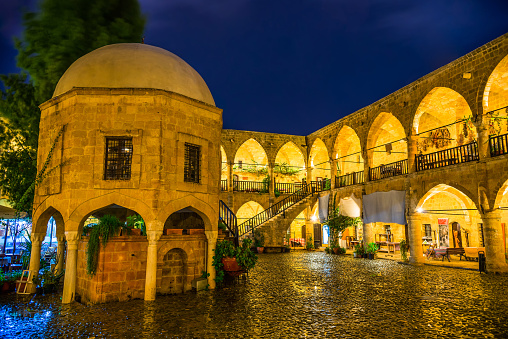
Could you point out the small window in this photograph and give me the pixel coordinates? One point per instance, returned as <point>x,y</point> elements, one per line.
<point>191,169</point>
<point>118,159</point>
<point>428,231</point>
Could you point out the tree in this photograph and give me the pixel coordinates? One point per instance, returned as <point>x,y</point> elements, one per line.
<point>53,38</point>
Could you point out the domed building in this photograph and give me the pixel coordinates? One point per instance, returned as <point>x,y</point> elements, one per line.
<point>131,129</point>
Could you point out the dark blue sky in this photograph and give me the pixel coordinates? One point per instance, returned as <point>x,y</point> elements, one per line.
<point>296,66</point>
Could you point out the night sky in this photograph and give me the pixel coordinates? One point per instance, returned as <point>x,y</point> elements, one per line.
<point>295,66</point>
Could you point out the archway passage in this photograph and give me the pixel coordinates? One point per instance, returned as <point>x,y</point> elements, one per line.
<point>439,121</point>
<point>450,218</point>
<point>386,142</point>
<point>348,153</point>
<point>495,99</point>
<point>319,161</point>
<point>248,210</point>
<point>295,236</point>
<point>251,161</point>
<point>224,164</point>
<point>501,205</point>
<point>289,164</point>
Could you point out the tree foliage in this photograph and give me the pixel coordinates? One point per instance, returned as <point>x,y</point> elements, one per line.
<point>60,32</point>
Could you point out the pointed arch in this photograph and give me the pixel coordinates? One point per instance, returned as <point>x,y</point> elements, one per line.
<point>289,159</point>
<point>319,160</point>
<point>248,210</point>
<point>203,209</point>
<point>251,161</point>
<point>437,113</point>
<point>495,98</point>
<point>348,151</point>
<point>386,140</point>
<point>224,163</point>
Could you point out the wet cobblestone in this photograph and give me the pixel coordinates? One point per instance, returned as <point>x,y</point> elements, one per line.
<point>291,295</point>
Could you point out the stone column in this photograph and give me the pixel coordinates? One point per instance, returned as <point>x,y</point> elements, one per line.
<point>271,189</point>
<point>211,238</point>
<point>414,222</point>
<point>151,264</point>
<point>230,176</point>
<point>70,267</point>
<point>366,166</point>
<point>35,257</point>
<point>493,236</point>
<point>60,253</point>
<point>368,234</point>
<point>412,150</point>
<point>309,226</point>
<point>333,173</point>
<point>483,141</point>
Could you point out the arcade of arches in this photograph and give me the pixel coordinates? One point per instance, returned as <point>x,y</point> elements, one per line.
<point>442,139</point>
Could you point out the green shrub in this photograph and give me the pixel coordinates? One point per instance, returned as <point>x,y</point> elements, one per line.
<point>107,227</point>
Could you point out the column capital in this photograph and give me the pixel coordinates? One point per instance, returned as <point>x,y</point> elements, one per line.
<point>211,235</point>
<point>37,237</point>
<point>414,216</point>
<point>72,236</point>
<point>153,236</point>
<point>492,214</point>
<point>60,237</point>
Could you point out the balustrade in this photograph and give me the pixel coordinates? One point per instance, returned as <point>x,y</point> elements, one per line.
<point>250,186</point>
<point>349,179</point>
<point>389,170</point>
<point>447,157</point>
<point>224,185</point>
<point>498,145</point>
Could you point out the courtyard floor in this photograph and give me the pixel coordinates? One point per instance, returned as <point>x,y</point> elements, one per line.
<point>289,295</point>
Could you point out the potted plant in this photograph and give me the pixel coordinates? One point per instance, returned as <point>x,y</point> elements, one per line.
<point>107,227</point>
<point>404,248</point>
<point>259,241</point>
<point>338,223</point>
<point>358,251</point>
<point>287,247</point>
<point>48,280</point>
<point>371,250</point>
<point>232,260</point>
<point>136,225</point>
<point>223,228</point>
<point>309,246</point>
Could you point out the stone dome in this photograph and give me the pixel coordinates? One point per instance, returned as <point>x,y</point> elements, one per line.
<point>132,65</point>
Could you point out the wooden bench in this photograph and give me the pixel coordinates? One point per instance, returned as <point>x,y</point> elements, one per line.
<point>471,253</point>
<point>445,252</point>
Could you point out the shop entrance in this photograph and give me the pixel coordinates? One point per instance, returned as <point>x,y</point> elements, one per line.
<point>457,235</point>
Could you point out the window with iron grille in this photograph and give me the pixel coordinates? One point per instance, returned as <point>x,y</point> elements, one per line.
<point>191,169</point>
<point>118,159</point>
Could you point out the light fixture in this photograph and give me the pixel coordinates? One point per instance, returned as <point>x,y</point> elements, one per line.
<point>419,210</point>
<point>313,218</point>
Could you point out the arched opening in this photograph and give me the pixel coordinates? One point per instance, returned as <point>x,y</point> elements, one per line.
<point>248,210</point>
<point>439,121</point>
<point>184,221</point>
<point>319,161</point>
<point>449,219</point>
<point>224,170</point>
<point>289,168</point>
<point>495,99</point>
<point>172,276</point>
<point>120,271</point>
<point>250,167</point>
<point>348,152</point>
<point>502,205</point>
<point>295,236</point>
<point>386,145</point>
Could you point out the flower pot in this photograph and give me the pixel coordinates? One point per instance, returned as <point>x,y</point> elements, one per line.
<point>365,256</point>
<point>135,231</point>
<point>355,255</point>
<point>336,250</point>
<point>260,249</point>
<point>371,256</point>
<point>6,286</point>
<point>231,265</point>
<point>169,231</point>
<point>196,231</point>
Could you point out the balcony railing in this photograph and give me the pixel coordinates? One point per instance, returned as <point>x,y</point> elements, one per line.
<point>390,170</point>
<point>349,179</point>
<point>498,145</point>
<point>250,186</point>
<point>224,185</point>
<point>447,157</point>
<point>287,188</point>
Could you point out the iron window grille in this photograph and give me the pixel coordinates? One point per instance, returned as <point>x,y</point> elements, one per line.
<point>118,159</point>
<point>191,168</point>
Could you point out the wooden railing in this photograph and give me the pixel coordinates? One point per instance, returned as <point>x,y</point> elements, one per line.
<point>229,218</point>
<point>287,187</point>
<point>447,157</point>
<point>349,179</point>
<point>390,170</point>
<point>250,186</point>
<point>224,185</point>
<point>498,145</point>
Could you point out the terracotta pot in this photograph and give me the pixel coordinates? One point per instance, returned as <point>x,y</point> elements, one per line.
<point>6,286</point>
<point>231,265</point>
<point>169,231</point>
<point>135,231</point>
<point>195,231</point>
<point>260,249</point>
<point>336,250</point>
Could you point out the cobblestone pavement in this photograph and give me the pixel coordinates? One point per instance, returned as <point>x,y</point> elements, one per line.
<point>289,295</point>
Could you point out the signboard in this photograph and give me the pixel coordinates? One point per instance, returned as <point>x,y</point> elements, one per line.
<point>444,238</point>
